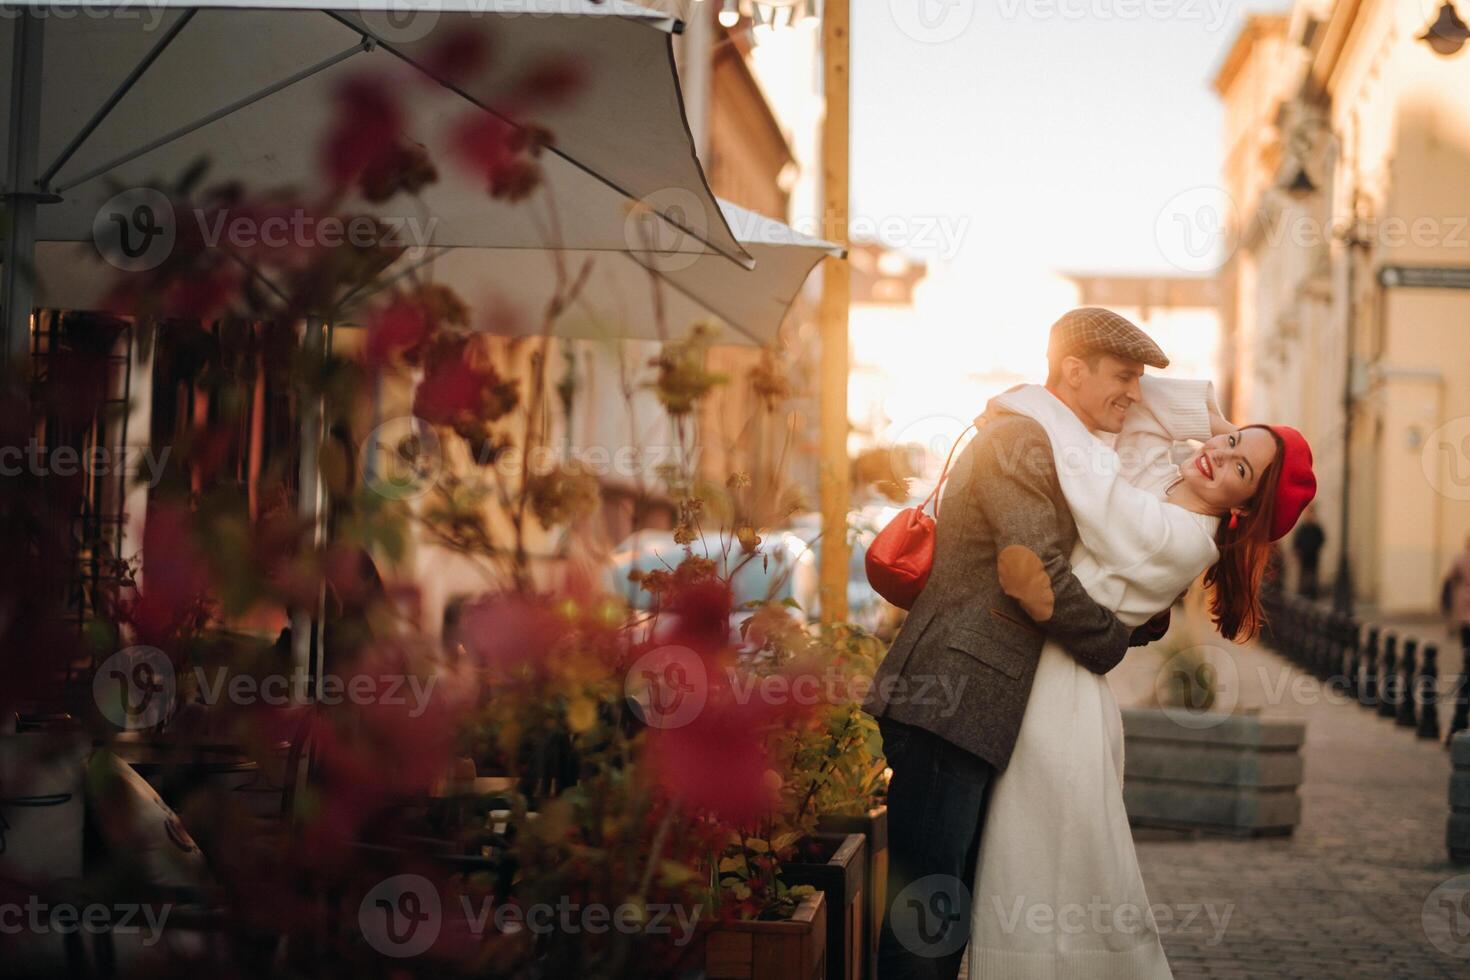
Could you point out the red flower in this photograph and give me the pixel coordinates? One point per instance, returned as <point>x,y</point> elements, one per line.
<point>717,763</point>
<point>369,123</point>
<point>397,331</point>
<point>509,634</point>
<point>551,82</point>
<point>175,576</point>
<point>457,56</point>
<point>499,152</point>
<point>698,615</point>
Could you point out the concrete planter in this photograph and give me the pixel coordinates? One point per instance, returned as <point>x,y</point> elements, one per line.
<point>1233,774</point>
<point>835,864</point>
<point>1458,832</point>
<point>873,825</point>
<point>795,948</point>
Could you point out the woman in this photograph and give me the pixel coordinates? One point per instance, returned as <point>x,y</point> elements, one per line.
<point>1058,892</point>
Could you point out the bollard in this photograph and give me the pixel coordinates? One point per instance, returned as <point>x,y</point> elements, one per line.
<point>1368,695</point>
<point>1406,716</point>
<point>1337,669</point>
<point>1429,693</point>
<point>1461,719</point>
<point>1352,637</point>
<point>1388,678</point>
<point>1326,647</point>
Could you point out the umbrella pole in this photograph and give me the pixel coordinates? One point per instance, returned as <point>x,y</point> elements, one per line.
<point>307,653</point>
<point>833,474</point>
<point>17,284</point>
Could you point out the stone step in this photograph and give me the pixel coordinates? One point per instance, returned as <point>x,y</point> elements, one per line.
<point>1251,731</point>
<point>1233,810</point>
<point>1215,765</point>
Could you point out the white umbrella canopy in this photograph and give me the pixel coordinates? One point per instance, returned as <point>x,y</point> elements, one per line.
<point>249,86</point>
<point>629,295</point>
<point>643,295</point>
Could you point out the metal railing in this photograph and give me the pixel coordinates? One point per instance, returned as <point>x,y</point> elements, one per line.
<point>1388,671</point>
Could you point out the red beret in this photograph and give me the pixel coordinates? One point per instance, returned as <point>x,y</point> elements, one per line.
<point>1298,484</point>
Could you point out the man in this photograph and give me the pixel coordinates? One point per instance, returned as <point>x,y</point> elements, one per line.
<point>1306,544</point>
<point>1001,547</point>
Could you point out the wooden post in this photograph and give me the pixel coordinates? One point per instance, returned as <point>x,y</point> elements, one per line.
<point>832,468</point>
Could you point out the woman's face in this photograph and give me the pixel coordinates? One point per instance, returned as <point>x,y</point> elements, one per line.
<point>1227,469</point>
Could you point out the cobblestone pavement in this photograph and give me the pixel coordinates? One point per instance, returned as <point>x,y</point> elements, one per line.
<point>1349,894</point>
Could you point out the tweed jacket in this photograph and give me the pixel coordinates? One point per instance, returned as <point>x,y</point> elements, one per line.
<point>962,665</point>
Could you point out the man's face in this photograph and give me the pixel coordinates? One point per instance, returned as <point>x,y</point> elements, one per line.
<point>1102,396</point>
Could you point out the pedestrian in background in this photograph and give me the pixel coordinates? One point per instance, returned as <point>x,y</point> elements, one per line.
<point>1306,544</point>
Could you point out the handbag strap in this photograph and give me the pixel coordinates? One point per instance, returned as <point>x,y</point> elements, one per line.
<point>944,473</point>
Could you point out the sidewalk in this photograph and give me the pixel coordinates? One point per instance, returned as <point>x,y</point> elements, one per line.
<point>1346,895</point>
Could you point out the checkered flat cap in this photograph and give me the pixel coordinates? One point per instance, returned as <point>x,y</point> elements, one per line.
<point>1092,328</point>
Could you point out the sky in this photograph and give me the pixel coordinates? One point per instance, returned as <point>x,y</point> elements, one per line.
<point>1006,141</point>
<point>1011,135</point>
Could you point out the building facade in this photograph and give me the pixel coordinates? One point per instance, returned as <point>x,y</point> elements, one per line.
<point>1346,307</point>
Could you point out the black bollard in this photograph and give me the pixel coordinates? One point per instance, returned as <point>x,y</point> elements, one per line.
<point>1326,647</point>
<point>1337,661</point>
<point>1407,717</point>
<point>1368,694</point>
<point>1352,638</point>
<point>1429,693</point>
<point>1461,719</point>
<point>1388,678</point>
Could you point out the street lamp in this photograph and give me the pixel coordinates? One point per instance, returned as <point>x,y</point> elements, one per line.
<point>1448,33</point>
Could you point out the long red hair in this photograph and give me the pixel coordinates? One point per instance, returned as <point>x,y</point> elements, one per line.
<point>1234,581</point>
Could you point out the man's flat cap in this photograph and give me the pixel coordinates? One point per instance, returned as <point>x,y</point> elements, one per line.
<point>1094,329</point>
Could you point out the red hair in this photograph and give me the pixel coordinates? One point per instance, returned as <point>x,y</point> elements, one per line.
<point>1234,581</point>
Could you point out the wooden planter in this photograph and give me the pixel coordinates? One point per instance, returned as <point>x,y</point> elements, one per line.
<point>1458,833</point>
<point>794,949</point>
<point>873,825</point>
<point>1233,774</point>
<point>837,872</point>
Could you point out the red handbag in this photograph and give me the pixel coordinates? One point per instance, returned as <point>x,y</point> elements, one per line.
<point>902,554</point>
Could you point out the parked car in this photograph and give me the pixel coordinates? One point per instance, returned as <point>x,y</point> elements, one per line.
<point>786,566</point>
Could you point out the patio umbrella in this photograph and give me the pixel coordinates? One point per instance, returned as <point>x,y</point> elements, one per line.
<point>625,291</point>
<point>107,99</point>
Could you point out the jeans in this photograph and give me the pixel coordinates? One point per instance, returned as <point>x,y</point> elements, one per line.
<point>936,807</point>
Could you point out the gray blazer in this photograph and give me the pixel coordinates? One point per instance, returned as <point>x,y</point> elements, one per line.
<point>962,664</point>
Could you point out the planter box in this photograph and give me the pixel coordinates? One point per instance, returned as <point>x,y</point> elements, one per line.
<point>837,872</point>
<point>874,826</point>
<point>1458,832</point>
<point>1234,774</point>
<point>794,949</point>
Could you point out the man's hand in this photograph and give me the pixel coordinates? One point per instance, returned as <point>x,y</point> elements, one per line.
<point>1150,631</point>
